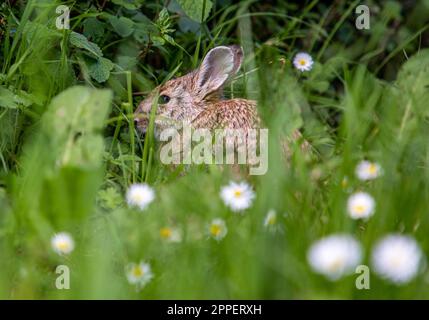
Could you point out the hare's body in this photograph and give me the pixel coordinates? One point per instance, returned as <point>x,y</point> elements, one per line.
<point>228,114</point>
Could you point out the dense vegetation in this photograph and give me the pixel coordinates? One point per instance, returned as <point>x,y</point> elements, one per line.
<point>69,149</point>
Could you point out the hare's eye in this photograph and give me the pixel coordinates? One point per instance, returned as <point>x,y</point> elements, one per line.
<point>163,99</point>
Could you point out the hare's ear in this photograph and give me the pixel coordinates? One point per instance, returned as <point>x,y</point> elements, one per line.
<point>238,57</point>
<point>219,65</point>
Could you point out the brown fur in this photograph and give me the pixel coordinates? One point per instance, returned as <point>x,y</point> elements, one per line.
<point>231,114</point>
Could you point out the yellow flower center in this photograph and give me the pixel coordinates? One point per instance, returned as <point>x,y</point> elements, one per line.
<point>215,229</point>
<point>396,261</point>
<point>336,264</point>
<point>272,220</point>
<point>63,246</point>
<point>302,62</point>
<point>238,193</point>
<point>372,168</point>
<point>165,233</point>
<point>137,272</point>
<point>138,197</point>
<point>360,208</point>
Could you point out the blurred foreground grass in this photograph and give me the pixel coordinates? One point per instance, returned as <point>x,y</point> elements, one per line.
<point>68,156</point>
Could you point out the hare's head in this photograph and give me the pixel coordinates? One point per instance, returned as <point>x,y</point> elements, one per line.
<point>182,99</point>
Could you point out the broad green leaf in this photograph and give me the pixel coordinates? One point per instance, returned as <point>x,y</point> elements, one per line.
<point>7,99</point>
<point>76,110</point>
<point>122,26</point>
<point>188,25</point>
<point>34,31</point>
<point>143,30</point>
<point>169,39</point>
<point>414,74</point>
<point>80,41</point>
<point>413,82</point>
<point>109,198</point>
<point>194,9</point>
<point>100,69</point>
<point>158,41</point>
<point>141,36</point>
<point>127,63</point>
<point>62,166</point>
<point>11,100</point>
<point>320,85</point>
<point>93,28</point>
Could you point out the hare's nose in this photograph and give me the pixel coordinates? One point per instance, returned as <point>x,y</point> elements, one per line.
<point>137,121</point>
<point>140,124</point>
<point>138,118</point>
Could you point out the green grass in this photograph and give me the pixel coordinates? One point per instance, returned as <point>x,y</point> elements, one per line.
<point>69,149</point>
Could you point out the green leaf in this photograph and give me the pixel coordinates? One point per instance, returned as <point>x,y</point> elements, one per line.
<point>80,41</point>
<point>194,9</point>
<point>143,30</point>
<point>414,74</point>
<point>122,26</point>
<point>62,166</point>
<point>158,41</point>
<point>318,85</point>
<point>413,82</point>
<point>34,31</point>
<point>78,109</point>
<point>93,28</point>
<point>109,198</point>
<point>126,62</point>
<point>100,69</point>
<point>129,4</point>
<point>188,25</point>
<point>169,39</point>
<point>141,36</point>
<point>11,100</point>
<point>7,99</point>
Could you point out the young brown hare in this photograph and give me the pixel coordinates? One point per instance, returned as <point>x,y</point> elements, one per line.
<point>196,98</point>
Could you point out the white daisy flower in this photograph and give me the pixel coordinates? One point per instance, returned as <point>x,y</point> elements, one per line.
<point>237,196</point>
<point>303,61</point>
<point>140,195</point>
<point>138,273</point>
<point>366,170</point>
<point>360,205</point>
<point>62,243</point>
<point>397,258</point>
<point>270,219</point>
<point>218,229</point>
<point>335,256</point>
<point>170,234</point>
